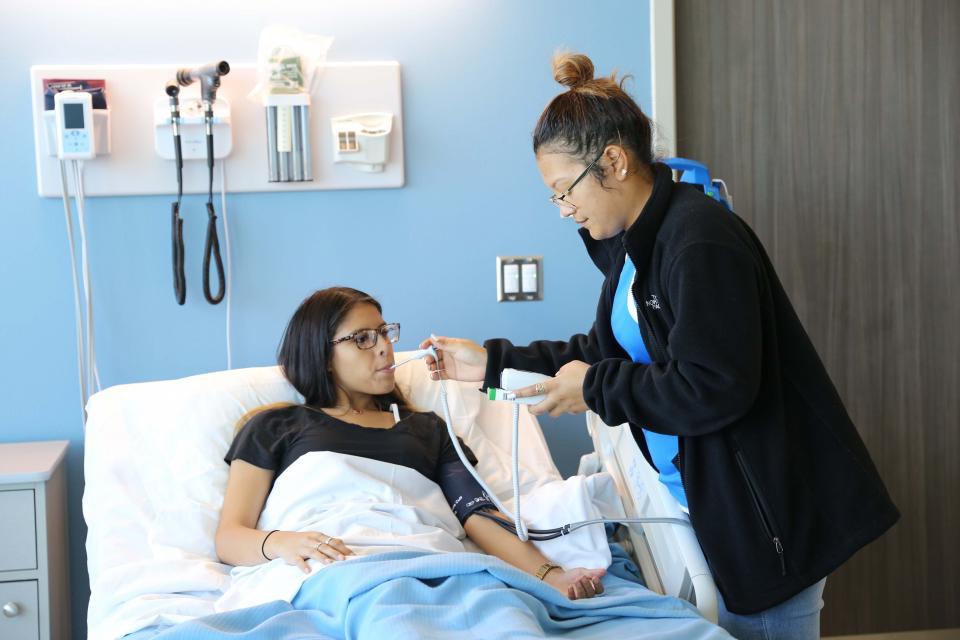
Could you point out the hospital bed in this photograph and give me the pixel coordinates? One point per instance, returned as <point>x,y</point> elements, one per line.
<point>155,479</point>
<point>668,555</point>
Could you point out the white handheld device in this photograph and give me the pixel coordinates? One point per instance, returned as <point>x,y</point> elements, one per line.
<point>74,115</point>
<point>513,379</point>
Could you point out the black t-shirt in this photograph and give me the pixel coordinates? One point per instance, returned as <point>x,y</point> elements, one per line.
<point>275,439</point>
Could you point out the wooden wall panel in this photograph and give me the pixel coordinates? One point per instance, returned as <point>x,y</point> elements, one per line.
<point>835,124</point>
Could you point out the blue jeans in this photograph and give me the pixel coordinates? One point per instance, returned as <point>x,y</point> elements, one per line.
<point>796,619</point>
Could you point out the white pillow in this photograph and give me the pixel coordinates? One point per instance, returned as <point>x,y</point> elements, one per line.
<point>154,483</point>
<point>155,478</point>
<point>486,427</point>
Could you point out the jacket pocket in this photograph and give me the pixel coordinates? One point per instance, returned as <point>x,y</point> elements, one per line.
<point>759,505</point>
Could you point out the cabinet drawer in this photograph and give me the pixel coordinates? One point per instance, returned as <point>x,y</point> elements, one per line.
<point>19,610</point>
<point>18,535</point>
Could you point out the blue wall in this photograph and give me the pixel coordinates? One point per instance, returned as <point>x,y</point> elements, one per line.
<point>475,77</point>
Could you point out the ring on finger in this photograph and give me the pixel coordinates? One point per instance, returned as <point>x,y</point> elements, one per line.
<point>540,389</point>
<point>327,541</point>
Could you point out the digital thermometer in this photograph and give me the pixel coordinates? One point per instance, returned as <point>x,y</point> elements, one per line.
<point>74,116</point>
<point>514,379</point>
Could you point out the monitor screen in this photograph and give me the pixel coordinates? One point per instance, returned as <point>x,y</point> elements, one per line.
<point>72,115</point>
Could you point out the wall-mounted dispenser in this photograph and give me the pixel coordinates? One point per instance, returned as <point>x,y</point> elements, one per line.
<point>287,65</point>
<point>289,158</point>
<point>362,140</point>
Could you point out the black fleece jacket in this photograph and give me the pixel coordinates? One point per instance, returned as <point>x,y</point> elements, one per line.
<point>780,487</point>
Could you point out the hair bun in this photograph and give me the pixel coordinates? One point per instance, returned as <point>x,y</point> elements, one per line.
<point>572,69</point>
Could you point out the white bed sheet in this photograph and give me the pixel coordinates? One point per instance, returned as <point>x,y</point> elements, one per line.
<point>377,507</point>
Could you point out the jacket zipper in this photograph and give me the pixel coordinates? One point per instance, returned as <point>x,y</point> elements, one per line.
<point>758,504</point>
<point>678,463</point>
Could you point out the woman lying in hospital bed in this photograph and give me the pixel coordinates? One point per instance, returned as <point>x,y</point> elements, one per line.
<point>342,479</point>
<point>338,353</point>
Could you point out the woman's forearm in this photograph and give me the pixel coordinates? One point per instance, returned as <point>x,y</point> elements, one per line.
<point>499,542</point>
<point>240,546</point>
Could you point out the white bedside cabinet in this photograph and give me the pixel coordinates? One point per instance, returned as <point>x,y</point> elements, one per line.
<point>34,567</point>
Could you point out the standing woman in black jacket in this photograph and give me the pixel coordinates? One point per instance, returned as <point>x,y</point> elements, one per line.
<point>697,347</point>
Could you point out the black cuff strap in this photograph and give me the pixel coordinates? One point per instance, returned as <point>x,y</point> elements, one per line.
<point>464,495</point>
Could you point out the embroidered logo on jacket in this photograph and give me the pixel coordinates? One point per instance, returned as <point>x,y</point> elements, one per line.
<point>653,302</point>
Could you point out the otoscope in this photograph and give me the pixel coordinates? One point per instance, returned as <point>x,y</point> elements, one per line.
<point>209,77</point>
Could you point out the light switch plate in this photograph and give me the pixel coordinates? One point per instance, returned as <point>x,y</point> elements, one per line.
<point>519,278</point>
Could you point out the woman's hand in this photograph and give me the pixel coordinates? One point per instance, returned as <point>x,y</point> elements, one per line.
<point>297,547</point>
<point>564,392</point>
<point>577,583</point>
<point>460,359</point>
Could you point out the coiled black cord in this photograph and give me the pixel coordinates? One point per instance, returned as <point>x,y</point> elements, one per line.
<point>179,277</point>
<point>211,247</point>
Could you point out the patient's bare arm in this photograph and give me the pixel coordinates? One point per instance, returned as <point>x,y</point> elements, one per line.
<point>240,543</point>
<point>575,583</point>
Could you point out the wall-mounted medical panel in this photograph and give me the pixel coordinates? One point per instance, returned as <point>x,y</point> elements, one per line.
<point>135,167</point>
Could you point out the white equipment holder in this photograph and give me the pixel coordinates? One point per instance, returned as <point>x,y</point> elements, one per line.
<point>48,137</point>
<point>193,134</point>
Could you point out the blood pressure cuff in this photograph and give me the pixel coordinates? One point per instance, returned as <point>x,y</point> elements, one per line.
<point>463,493</point>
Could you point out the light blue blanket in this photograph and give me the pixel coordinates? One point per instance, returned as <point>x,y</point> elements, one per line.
<point>451,595</point>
